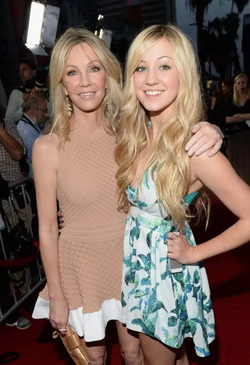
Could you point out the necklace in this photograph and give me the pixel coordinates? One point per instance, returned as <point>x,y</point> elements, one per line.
<point>149,124</point>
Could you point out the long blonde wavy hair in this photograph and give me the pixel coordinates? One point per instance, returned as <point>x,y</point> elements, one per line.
<point>235,93</point>
<point>112,99</point>
<point>171,164</point>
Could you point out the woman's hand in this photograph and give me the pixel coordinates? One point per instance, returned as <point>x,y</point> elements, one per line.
<point>207,137</point>
<point>179,248</point>
<point>61,219</point>
<point>58,314</point>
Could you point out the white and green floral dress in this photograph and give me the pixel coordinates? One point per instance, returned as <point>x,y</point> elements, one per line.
<point>163,305</point>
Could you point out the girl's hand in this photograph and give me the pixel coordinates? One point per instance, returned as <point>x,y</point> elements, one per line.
<point>58,314</point>
<point>207,137</point>
<point>61,219</point>
<point>179,248</point>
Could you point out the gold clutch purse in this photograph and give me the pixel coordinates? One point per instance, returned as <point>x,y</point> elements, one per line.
<point>73,345</point>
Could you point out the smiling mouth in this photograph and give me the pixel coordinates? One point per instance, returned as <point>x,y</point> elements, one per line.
<point>86,94</point>
<point>153,92</point>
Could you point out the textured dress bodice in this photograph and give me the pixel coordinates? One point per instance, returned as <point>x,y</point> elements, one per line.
<point>87,166</point>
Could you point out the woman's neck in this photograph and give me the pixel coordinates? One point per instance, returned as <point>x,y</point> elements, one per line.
<point>242,98</point>
<point>90,121</point>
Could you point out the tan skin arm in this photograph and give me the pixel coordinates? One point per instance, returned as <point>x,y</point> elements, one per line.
<point>238,118</point>
<point>245,116</point>
<point>45,164</point>
<point>235,119</point>
<point>218,175</point>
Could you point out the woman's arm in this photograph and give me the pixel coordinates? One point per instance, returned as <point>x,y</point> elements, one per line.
<point>235,119</point>
<point>213,104</point>
<point>45,164</point>
<point>207,137</point>
<point>244,116</point>
<point>14,109</point>
<point>218,175</point>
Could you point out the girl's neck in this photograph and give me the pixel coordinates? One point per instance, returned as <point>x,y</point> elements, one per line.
<point>158,120</point>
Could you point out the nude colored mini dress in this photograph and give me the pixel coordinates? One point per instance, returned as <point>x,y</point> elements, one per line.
<point>91,243</point>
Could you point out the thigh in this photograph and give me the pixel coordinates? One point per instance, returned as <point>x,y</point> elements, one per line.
<point>96,351</point>
<point>155,352</point>
<point>129,345</point>
<point>182,358</point>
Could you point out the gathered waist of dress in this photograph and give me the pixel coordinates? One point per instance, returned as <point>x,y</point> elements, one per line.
<point>94,232</point>
<point>149,220</point>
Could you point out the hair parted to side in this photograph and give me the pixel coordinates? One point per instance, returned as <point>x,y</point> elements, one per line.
<point>171,164</point>
<point>235,93</point>
<point>112,99</point>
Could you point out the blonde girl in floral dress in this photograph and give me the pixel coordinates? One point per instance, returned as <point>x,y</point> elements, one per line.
<point>157,181</point>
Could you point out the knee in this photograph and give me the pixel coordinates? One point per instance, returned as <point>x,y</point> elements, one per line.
<point>97,359</point>
<point>132,355</point>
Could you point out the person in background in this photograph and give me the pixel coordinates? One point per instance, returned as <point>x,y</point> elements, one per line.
<point>6,299</point>
<point>157,180</point>
<point>216,95</point>
<point>11,152</point>
<point>237,121</point>
<point>27,71</point>
<point>3,98</point>
<point>42,87</point>
<point>217,112</point>
<point>222,94</point>
<point>31,124</point>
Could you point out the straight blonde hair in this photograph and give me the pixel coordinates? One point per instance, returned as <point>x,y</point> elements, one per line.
<point>112,99</point>
<point>171,164</point>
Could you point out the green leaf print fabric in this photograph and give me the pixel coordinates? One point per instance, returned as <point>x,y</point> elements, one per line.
<point>166,306</point>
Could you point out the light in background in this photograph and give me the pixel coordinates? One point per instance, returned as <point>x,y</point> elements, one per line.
<point>35,23</point>
<point>103,33</point>
<point>42,27</point>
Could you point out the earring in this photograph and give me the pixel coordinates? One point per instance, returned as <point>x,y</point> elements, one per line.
<point>69,106</point>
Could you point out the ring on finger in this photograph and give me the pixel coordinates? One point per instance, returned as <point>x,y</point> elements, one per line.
<point>62,329</point>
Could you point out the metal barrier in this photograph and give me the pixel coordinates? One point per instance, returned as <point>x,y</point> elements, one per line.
<point>20,263</point>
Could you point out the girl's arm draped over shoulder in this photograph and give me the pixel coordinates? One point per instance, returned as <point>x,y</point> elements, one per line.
<point>218,175</point>
<point>207,138</point>
<point>45,163</point>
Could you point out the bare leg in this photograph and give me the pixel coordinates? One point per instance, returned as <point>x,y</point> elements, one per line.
<point>155,352</point>
<point>182,358</point>
<point>129,345</point>
<point>96,352</point>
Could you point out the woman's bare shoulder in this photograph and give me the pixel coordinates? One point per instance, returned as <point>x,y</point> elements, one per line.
<point>45,148</point>
<point>47,143</point>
